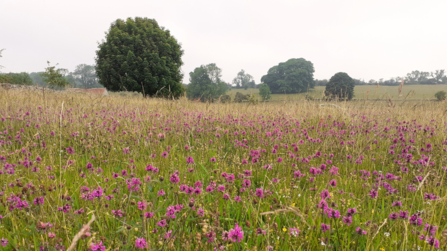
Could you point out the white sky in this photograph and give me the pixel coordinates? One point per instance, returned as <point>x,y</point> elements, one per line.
<point>367,39</point>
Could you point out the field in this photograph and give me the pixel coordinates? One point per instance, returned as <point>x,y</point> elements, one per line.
<point>127,173</point>
<point>361,92</point>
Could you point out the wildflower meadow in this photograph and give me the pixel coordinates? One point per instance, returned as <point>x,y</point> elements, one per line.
<point>130,173</point>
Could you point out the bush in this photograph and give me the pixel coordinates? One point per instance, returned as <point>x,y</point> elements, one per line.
<point>22,78</point>
<point>139,55</point>
<point>340,86</point>
<point>264,92</point>
<point>441,95</point>
<point>225,99</point>
<point>239,98</point>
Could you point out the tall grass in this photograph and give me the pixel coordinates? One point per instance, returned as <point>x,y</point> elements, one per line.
<point>284,176</point>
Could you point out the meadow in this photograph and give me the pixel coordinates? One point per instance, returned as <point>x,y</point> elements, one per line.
<point>127,173</point>
<point>362,92</point>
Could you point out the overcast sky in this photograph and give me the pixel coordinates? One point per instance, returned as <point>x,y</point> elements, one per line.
<point>366,39</point>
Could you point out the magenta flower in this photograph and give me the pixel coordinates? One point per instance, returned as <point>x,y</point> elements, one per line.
<point>325,227</point>
<point>347,220</point>
<point>259,193</point>
<point>162,223</point>
<point>373,193</point>
<point>236,234</point>
<point>189,160</point>
<point>174,178</point>
<point>213,159</point>
<point>4,242</point>
<point>140,243</point>
<point>325,195</point>
<point>98,247</point>
<point>161,192</point>
<point>333,183</point>
<point>164,154</point>
<point>360,231</point>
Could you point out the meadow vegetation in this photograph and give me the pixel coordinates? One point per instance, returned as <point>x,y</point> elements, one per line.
<point>130,173</point>
<point>361,92</point>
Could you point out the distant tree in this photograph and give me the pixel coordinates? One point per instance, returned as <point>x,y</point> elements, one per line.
<point>264,92</point>
<point>243,80</point>
<point>1,56</point>
<point>54,77</point>
<point>340,86</point>
<point>205,83</point>
<point>139,55</point>
<point>438,75</point>
<point>37,78</point>
<point>293,76</point>
<point>441,95</point>
<point>322,82</point>
<point>86,75</point>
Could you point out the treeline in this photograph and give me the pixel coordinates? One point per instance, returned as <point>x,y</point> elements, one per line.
<point>437,77</point>
<point>83,76</point>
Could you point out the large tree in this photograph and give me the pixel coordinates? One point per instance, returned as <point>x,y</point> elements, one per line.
<point>244,80</point>
<point>205,83</point>
<point>294,76</point>
<point>340,86</point>
<point>139,55</point>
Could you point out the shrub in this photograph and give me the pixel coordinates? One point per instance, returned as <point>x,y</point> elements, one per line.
<point>340,86</point>
<point>22,78</point>
<point>239,98</point>
<point>225,99</point>
<point>441,95</point>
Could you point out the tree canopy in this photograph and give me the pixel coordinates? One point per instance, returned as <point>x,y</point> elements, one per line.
<point>340,86</point>
<point>293,76</point>
<point>205,83</point>
<point>139,55</point>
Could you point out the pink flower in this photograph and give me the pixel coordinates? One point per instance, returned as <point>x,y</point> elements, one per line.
<point>140,243</point>
<point>259,193</point>
<point>98,247</point>
<point>236,234</point>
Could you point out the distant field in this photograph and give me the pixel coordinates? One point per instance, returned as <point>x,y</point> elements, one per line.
<point>360,92</point>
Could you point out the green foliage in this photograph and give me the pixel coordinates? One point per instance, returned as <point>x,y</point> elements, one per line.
<point>205,83</point>
<point>225,99</point>
<point>244,80</point>
<point>340,86</point>
<point>441,95</point>
<point>239,98</point>
<point>264,92</point>
<point>54,77</point>
<point>293,76</point>
<point>139,55</point>
<point>22,78</point>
